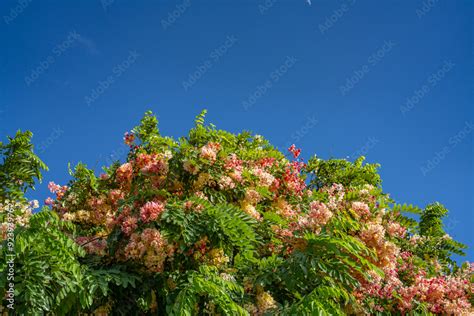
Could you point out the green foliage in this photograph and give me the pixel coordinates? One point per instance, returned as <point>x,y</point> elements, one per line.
<point>199,120</point>
<point>148,128</point>
<point>228,224</point>
<point>327,172</point>
<point>403,213</point>
<point>431,221</point>
<point>48,275</point>
<point>327,258</point>
<point>438,244</point>
<point>19,168</point>
<point>208,285</point>
<point>323,300</point>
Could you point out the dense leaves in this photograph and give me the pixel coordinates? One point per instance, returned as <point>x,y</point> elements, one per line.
<point>20,166</point>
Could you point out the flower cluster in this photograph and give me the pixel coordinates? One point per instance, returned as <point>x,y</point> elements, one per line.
<point>441,294</point>
<point>209,151</point>
<point>318,216</point>
<point>151,247</point>
<point>129,138</point>
<point>294,151</point>
<point>125,173</point>
<point>151,211</point>
<point>15,213</point>
<point>152,164</point>
<point>58,190</point>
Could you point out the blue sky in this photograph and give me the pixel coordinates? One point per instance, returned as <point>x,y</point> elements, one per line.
<point>392,81</point>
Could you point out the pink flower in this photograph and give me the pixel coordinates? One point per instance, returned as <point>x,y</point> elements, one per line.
<point>361,209</point>
<point>129,138</point>
<point>225,183</point>
<point>49,201</point>
<point>295,151</point>
<point>129,225</point>
<point>266,162</point>
<point>209,151</point>
<point>53,187</point>
<point>233,163</point>
<point>283,208</point>
<point>236,176</point>
<point>151,248</point>
<point>396,230</point>
<point>152,164</point>
<point>293,179</point>
<point>318,214</point>
<point>265,178</point>
<point>151,211</point>
<point>250,209</point>
<point>125,172</point>
<point>59,190</point>
<point>188,204</point>
<point>336,195</point>
<point>116,195</point>
<point>373,235</point>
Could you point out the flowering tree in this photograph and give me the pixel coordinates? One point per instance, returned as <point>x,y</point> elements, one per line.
<point>222,224</point>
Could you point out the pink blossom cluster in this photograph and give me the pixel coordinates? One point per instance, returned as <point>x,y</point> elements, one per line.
<point>129,138</point>
<point>442,294</point>
<point>233,163</point>
<point>49,201</point>
<point>261,187</point>
<point>283,208</point>
<point>361,209</point>
<point>318,216</point>
<point>124,173</point>
<point>209,151</point>
<point>294,151</point>
<point>115,195</point>
<point>267,162</point>
<point>58,190</point>
<point>336,195</point>
<point>265,179</point>
<point>292,179</point>
<point>226,183</point>
<point>151,211</point>
<point>252,196</point>
<point>129,225</point>
<point>152,164</point>
<point>249,202</point>
<point>53,187</point>
<point>373,234</point>
<point>150,246</point>
<point>394,229</point>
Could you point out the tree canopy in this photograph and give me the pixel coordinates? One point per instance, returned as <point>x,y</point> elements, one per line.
<point>216,223</point>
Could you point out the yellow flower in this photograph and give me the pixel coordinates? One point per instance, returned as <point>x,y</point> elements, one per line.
<point>265,301</point>
<point>217,257</point>
<point>249,209</point>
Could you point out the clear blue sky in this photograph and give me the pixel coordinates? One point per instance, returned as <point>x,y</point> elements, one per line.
<point>390,80</point>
